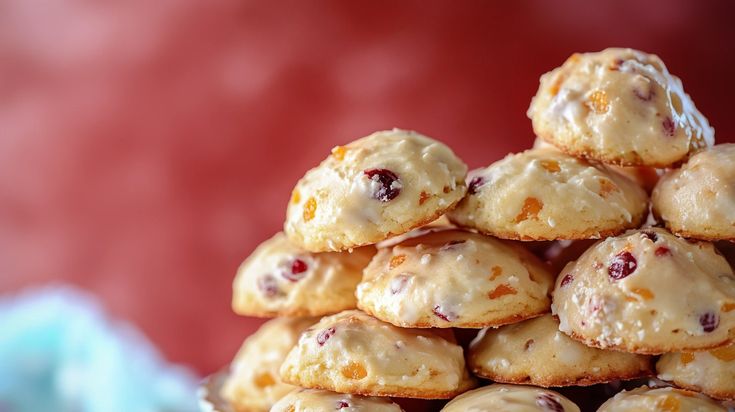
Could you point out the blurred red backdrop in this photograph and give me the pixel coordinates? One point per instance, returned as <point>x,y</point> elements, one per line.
<point>147,147</point>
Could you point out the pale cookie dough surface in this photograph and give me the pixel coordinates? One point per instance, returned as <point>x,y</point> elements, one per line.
<point>711,372</point>
<point>648,292</point>
<point>698,200</point>
<point>644,399</point>
<point>535,352</point>
<point>543,194</point>
<point>281,279</point>
<point>516,398</point>
<point>618,106</point>
<point>317,400</point>
<point>376,187</point>
<point>454,278</point>
<point>353,352</point>
<point>253,384</point>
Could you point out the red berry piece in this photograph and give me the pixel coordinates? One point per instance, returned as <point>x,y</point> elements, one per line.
<point>549,402</point>
<point>390,184</point>
<point>476,183</point>
<point>343,404</point>
<point>622,265</point>
<point>447,316</point>
<point>662,251</point>
<point>645,95</point>
<point>268,285</point>
<point>709,321</point>
<point>669,127</point>
<point>324,336</point>
<point>297,271</point>
<point>398,284</point>
<point>567,279</point>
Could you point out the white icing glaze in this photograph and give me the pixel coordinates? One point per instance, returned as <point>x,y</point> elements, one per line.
<point>660,399</point>
<point>712,372</point>
<point>315,400</point>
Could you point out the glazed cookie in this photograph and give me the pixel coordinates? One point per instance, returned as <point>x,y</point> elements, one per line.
<point>535,352</point>
<point>711,372</point>
<point>618,106</point>
<point>280,279</point>
<point>376,187</point>
<point>544,194</point>
<point>353,352</point>
<point>660,400</point>
<point>454,278</point>
<point>254,384</point>
<point>317,400</point>
<point>516,398</point>
<point>648,292</point>
<point>698,200</point>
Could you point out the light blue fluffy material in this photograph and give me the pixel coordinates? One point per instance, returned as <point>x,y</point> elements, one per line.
<point>60,352</point>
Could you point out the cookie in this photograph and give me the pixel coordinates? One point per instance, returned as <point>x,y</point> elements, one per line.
<point>535,352</point>
<point>353,352</point>
<point>317,400</point>
<point>698,200</point>
<point>253,384</point>
<point>516,398</point>
<point>660,400</point>
<point>454,278</point>
<point>648,292</point>
<point>281,279</point>
<point>543,194</point>
<point>618,106</point>
<point>711,372</point>
<point>376,187</point>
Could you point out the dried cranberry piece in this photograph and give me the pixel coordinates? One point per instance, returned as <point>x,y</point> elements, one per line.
<point>343,404</point>
<point>324,336</point>
<point>448,316</point>
<point>475,184</point>
<point>297,271</point>
<point>549,402</point>
<point>651,235</point>
<point>268,285</point>
<point>669,126</point>
<point>622,265</point>
<point>567,279</point>
<point>709,321</point>
<point>390,184</point>
<point>662,251</point>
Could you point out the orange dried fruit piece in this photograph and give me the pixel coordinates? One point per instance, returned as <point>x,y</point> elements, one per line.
<point>668,404</point>
<point>531,208</point>
<point>396,261</point>
<point>646,294</point>
<point>295,196</point>
<point>725,353</point>
<point>598,102</point>
<point>686,357</point>
<point>501,290</point>
<point>495,272</point>
<point>353,370</point>
<point>423,197</point>
<point>263,380</point>
<point>550,165</point>
<point>728,307</point>
<point>339,152</point>
<point>309,209</point>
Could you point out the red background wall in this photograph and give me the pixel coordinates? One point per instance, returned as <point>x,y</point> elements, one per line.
<point>147,147</point>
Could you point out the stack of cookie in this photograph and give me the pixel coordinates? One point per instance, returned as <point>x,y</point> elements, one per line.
<point>389,246</point>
